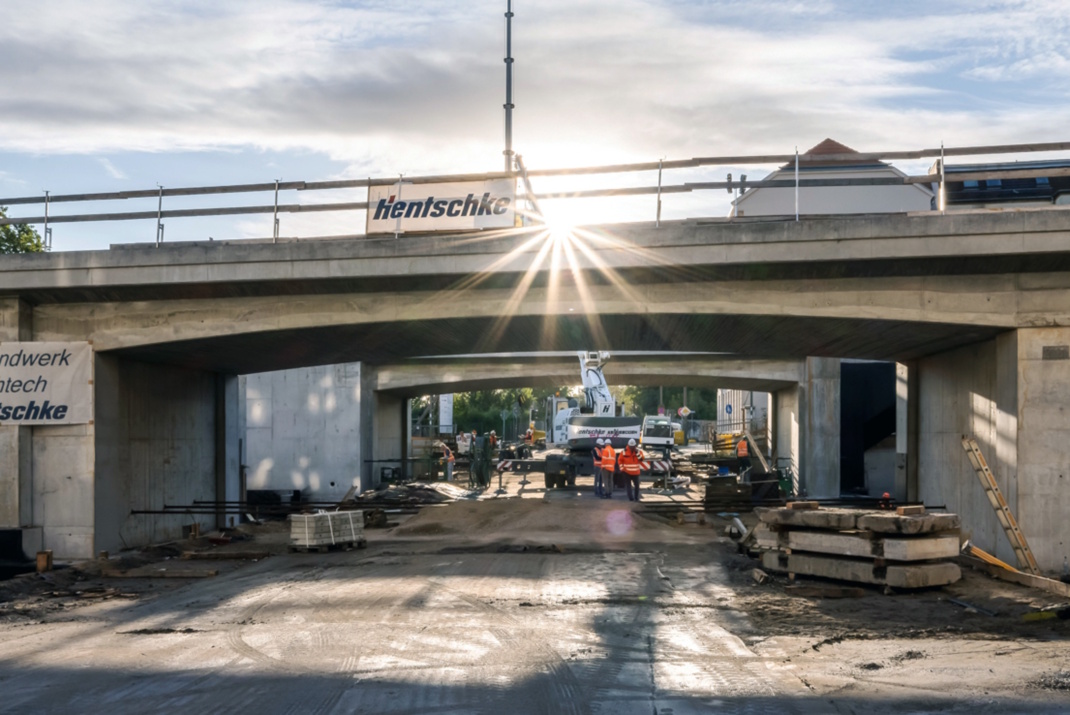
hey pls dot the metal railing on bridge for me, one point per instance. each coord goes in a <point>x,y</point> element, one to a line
<point>275,187</point>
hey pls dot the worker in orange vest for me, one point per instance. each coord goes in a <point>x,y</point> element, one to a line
<point>493,439</point>
<point>609,468</point>
<point>743,452</point>
<point>629,464</point>
<point>596,457</point>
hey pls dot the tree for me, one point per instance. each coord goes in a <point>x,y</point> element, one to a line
<point>19,237</point>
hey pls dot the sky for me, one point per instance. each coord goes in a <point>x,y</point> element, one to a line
<point>130,94</point>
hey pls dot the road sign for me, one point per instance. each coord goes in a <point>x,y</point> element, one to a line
<point>728,409</point>
<point>684,411</point>
<point>661,410</point>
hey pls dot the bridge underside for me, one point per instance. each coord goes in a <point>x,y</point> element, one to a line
<point>762,336</point>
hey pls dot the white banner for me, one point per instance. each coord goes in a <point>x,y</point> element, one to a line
<point>445,414</point>
<point>405,207</point>
<point>46,383</point>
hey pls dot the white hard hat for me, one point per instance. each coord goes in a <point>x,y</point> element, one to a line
<point>600,441</point>
<point>493,432</point>
<point>631,443</point>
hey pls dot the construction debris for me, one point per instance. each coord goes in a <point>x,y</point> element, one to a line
<point>225,555</point>
<point>855,545</point>
<point>971,607</point>
<point>690,517</point>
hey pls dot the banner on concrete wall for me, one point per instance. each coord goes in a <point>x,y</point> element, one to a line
<point>403,206</point>
<point>46,383</point>
<point>445,414</point>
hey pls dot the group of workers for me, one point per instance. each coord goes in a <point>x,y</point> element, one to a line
<point>464,444</point>
<point>608,463</point>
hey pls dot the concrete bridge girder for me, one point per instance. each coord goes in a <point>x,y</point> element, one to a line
<point>422,377</point>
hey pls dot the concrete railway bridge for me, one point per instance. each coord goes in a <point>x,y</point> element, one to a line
<point>975,308</point>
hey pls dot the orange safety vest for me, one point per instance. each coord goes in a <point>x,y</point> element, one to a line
<point>629,462</point>
<point>742,450</point>
<point>609,457</point>
<point>596,454</point>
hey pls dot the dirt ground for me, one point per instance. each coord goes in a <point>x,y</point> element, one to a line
<point>605,606</point>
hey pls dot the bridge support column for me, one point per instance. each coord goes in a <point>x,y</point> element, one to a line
<point>16,443</point>
<point>906,432</point>
<point>786,423</point>
<point>1011,394</point>
<point>819,408</point>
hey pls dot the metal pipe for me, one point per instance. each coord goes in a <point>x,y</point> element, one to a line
<point>508,86</point>
<point>657,219</point>
<point>796,183</point>
<point>943,195</point>
<point>275,218</point>
<point>159,218</point>
<point>47,231</point>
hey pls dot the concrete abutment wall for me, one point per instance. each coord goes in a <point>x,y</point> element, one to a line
<point>1016,403</point>
<point>159,441</point>
<point>303,430</point>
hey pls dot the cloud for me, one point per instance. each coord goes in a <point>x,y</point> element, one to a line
<point>418,87</point>
<point>6,178</point>
<point>113,171</point>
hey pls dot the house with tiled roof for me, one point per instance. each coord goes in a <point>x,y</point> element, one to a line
<point>832,160</point>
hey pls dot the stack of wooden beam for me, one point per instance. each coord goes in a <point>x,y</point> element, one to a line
<point>906,548</point>
<point>326,529</point>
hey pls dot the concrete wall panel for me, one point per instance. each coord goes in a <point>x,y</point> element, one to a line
<point>958,395</point>
<point>303,430</point>
<point>155,446</point>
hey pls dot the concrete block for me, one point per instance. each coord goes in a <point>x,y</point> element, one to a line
<point>922,524</point>
<point>69,542</point>
<point>832,519</point>
<point>863,545</point>
<point>923,575</point>
<point>911,576</point>
<point>945,546</point>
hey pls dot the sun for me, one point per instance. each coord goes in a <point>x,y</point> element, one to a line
<point>561,219</point>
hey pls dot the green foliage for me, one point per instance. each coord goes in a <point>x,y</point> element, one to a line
<point>19,237</point>
<point>481,411</point>
<point>644,401</point>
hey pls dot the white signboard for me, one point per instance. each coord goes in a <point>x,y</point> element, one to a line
<point>405,206</point>
<point>46,383</point>
<point>445,413</point>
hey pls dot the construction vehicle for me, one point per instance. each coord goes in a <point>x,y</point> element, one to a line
<point>573,430</point>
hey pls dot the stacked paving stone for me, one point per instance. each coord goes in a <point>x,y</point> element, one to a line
<point>909,550</point>
<point>336,528</point>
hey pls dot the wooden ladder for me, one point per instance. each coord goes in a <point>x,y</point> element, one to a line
<point>1022,552</point>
